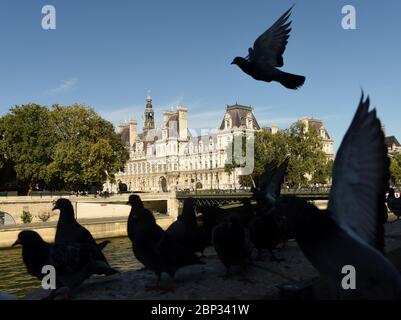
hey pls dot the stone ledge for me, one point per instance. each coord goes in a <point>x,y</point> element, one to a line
<point>205,282</point>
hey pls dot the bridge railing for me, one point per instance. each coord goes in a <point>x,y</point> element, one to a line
<point>308,190</point>
<point>212,192</point>
<point>228,192</point>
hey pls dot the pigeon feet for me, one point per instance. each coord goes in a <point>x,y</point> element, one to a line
<point>169,289</point>
<point>153,288</point>
<point>62,293</point>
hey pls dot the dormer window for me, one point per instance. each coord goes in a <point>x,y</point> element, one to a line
<point>249,122</point>
<point>227,122</point>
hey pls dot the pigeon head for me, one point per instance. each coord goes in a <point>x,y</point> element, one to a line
<point>63,205</point>
<point>66,209</point>
<point>135,201</point>
<point>28,237</point>
<point>239,61</point>
<point>391,191</point>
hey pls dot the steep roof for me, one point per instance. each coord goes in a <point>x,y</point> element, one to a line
<point>392,140</point>
<point>238,114</point>
<point>317,125</point>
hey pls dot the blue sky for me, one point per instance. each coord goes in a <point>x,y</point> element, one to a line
<point>107,54</point>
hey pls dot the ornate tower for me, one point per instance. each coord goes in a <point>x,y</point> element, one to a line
<point>149,115</point>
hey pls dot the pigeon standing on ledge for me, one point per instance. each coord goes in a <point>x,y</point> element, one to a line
<point>266,228</point>
<point>267,55</point>
<point>349,232</point>
<point>152,246</point>
<point>186,230</point>
<point>69,231</point>
<point>232,243</point>
<point>73,263</point>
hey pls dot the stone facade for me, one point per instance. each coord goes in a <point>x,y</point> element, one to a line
<point>323,133</point>
<point>393,146</point>
<point>173,157</point>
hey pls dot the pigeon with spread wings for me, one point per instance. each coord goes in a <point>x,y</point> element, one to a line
<point>266,56</point>
<point>350,231</point>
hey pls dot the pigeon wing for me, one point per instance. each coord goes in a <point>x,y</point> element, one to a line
<point>273,188</point>
<point>360,177</point>
<point>270,46</point>
<point>266,176</point>
<point>177,230</point>
<point>68,259</point>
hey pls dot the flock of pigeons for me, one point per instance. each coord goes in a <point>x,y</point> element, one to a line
<point>349,232</point>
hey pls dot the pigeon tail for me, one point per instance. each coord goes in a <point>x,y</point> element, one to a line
<point>103,244</point>
<point>290,81</point>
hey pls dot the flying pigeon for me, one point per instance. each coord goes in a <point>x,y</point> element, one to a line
<point>349,232</point>
<point>69,231</point>
<point>73,263</point>
<point>152,246</point>
<point>267,55</point>
<point>393,203</point>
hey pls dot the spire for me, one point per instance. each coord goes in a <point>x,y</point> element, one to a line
<point>149,114</point>
<point>149,100</point>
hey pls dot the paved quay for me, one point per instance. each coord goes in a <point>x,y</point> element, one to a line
<point>203,282</point>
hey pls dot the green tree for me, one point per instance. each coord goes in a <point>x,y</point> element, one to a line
<point>395,169</point>
<point>308,163</point>
<point>28,142</point>
<point>88,151</point>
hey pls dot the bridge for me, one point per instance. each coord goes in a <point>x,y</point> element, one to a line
<point>224,197</point>
<point>89,207</point>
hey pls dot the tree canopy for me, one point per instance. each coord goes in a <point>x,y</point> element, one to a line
<point>395,169</point>
<point>308,163</point>
<point>65,147</point>
<point>28,140</point>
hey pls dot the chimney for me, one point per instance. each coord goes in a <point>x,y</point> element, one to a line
<point>274,128</point>
<point>132,132</point>
<point>121,127</point>
<point>182,123</point>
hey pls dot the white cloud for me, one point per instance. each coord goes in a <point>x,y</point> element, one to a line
<point>63,87</point>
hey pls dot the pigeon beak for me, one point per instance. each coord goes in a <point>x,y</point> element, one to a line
<point>17,242</point>
<point>55,207</point>
<point>232,62</point>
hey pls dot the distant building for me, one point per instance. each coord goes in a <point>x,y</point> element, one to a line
<point>326,139</point>
<point>393,146</point>
<point>171,157</point>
